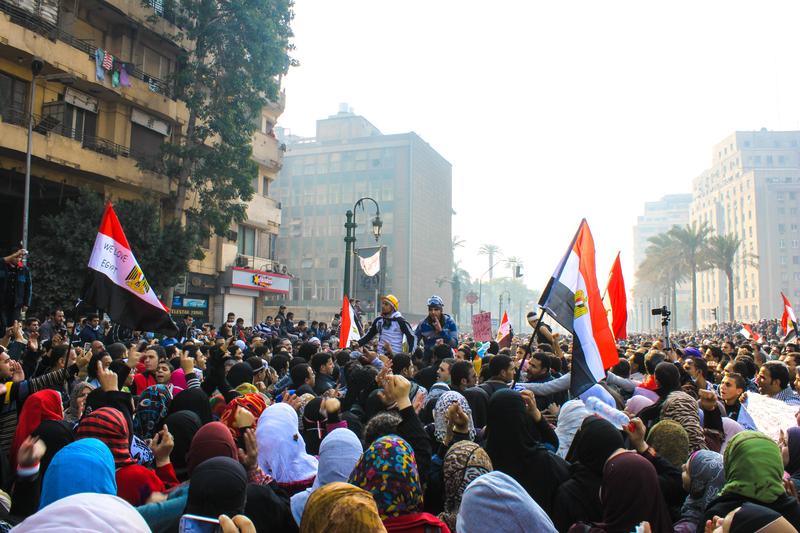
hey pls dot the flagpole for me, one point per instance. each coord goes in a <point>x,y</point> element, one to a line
<point>530,344</point>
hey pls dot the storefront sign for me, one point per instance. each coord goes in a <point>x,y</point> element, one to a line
<point>194,306</point>
<point>245,278</point>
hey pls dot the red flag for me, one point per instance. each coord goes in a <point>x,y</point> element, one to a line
<point>748,333</point>
<point>617,301</point>
<point>573,299</point>
<point>504,332</point>
<point>348,330</point>
<point>788,320</point>
<point>116,284</point>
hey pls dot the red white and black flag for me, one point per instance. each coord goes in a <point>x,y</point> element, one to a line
<point>116,284</point>
<point>572,298</point>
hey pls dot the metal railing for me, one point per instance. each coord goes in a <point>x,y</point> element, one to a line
<point>29,20</point>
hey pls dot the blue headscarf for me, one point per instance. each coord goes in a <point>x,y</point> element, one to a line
<point>86,465</point>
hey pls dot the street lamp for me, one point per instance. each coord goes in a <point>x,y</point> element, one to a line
<point>350,237</point>
<point>500,304</point>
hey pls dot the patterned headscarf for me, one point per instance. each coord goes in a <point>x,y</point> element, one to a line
<point>341,508</point>
<point>254,403</point>
<point>440,414</point>
<point>464,462</point>
<point>388,470</point>
<point>706,471</point>
<point>153,408</point>
<point>108,425</point>
<point>683,409</point>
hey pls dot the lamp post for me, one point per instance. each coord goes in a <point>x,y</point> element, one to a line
<point>500,304</point>
<point>36,67</point>
<point>350,237</point>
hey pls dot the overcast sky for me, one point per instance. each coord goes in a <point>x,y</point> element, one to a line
<point>552,111</point>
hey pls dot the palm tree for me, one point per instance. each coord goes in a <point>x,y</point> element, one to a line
<point>491,250</point>
<point>722,251</point>
<point>663,269</point>
<point>691,243</point>
<point>459,281</point>
<point>458,242</point>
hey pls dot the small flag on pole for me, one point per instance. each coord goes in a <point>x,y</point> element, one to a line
<point>748,333</point>
<point>789,319</point>
<point>349,326</point>
<point>116,284</point>
<point>573,299</point>
<point>505,332</point>
<point>617,301</point>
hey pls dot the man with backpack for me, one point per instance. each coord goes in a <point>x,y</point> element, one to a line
<point>390,327</point>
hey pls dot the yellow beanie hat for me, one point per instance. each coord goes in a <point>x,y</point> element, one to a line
<point>392,299</point>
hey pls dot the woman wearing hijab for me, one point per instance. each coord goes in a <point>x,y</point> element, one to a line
<point>464,462</point>
<point>243,412</point>
<point>730,428</point>
<point>683,409</point>
<point>671,441</point>
<point>751,517</point>
<point>630,494</point>
<point>789,444</point>
<point>636,403</point>
<point>152,409</point>
<point>570,418</point>
<point>218,486</point>
<point>38,407</point>
<point>703,478</point>
<point>282,450</point>
<point>320,416</point>
<point>211,440</point>
<point>516,433</point>
<point>135,483</point>
<point>90,513</point>
<point>478,402</point>
<point>77,401</point>
<point>55,434</point>
<point>496,502</point>
<point>338,454</point>
<point>443,427</point>
<point>388,470</point>
<point>341,508</point>
<point>194,400</point>
<point>753,473</point>
<point>183,426</point>
<point>92,459</point>
<point>667,378</point>
<point>578,498</point>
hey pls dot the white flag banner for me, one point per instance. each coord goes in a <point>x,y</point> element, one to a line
<point>371,265</point>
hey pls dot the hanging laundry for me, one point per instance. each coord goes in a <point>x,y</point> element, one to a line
<point>153,86</point>
<point>98,60</point>
<point>108,61</point>
<point>124,70</point>
<point>115,78</point>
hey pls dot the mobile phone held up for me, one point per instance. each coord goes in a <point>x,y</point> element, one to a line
<point>198,524</point>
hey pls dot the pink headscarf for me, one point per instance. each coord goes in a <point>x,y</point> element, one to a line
<point>637,403</point>
<point>178,379</point>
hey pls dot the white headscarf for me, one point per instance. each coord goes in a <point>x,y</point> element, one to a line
<point>339,452</point>
<point>89,512</point>
<point>570,418</point>
<point>440,414</point>
<point>281,448</point>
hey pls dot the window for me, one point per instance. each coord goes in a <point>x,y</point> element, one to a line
<point>796,260</point>
<point>68,120</point>
<point>797,276</point>
<point>264,186</point>
<point>246,240</point>
<point>782,260</point>
<point>784,276</point>
<point>793,227</point>
<point>145,143</point>
<point>781,244</point>
<point>781,228</point>
<point>780,196</point>
<point>795,243</point>
<point>13,97</point>
<point>307,262</point>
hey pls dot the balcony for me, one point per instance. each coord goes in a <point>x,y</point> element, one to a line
<point>264,212</point>
<point>267,151</point>
<point>255,263</point>
<point>39,25</point>
<point>56,144</point>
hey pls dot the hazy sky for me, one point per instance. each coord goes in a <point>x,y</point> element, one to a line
<point>552,111</point>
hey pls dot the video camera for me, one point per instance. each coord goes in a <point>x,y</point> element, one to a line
<point>662,311</point>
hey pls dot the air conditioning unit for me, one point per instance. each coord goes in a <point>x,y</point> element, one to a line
<point>276,267</point>
<point>242,261</point>
<point>284,269</point>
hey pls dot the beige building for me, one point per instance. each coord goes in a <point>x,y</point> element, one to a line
<point>753,191</point>
<point>93,126</point>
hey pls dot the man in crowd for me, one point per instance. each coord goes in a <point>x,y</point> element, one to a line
<point>773,381</point>
<point>322,364</point>
<point>390,327</point>
<point>92,330</point>
<point>437,327</point>
<point>303,379</point>
<point>462,376</point>
<point>53,325</point>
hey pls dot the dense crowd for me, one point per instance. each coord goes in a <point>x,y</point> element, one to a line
<point>411,428</point>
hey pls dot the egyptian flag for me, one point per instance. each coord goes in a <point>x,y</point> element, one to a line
<point>748,333</point>
<point>572,298</point>
<point>616,301</point>
<point>349,327</point>
<point>788,320</point>
<point>116,284</point>
<point>504,333</point>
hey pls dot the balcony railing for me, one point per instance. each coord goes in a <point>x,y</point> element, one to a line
<point>30,21</point>
<point>50,124</point>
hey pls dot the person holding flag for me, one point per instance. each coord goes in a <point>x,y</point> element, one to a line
<point>390,327</point>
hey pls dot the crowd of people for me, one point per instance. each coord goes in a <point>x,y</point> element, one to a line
<point>271,427</point>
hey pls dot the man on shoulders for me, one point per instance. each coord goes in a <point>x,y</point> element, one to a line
<point>390,327</point>
<point>436,327</point>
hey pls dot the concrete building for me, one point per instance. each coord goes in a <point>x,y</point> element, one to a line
<point>324,176</point>
<point>752,190</point>
<point>91,128</point>
<point>659,217</point>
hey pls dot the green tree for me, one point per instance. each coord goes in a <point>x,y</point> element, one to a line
<point>663,269</point>
<point>59,265</point>
<point>722,253</point>
<point>238,50</point>
<point>691,243</point>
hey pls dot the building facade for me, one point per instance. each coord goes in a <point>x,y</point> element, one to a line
<point>103,105</point>
<point>324,176</point>
<point>659,217</point>
<point>752,190</point>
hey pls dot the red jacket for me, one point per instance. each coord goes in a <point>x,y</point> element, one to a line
<point>135,483</point>
<point>415,523</point>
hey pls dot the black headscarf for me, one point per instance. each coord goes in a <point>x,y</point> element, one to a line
<point>55,434</point>
<point>314,428</point>
<point>218,486</point>
<point>594,443</point>
<point>122,370</point>
<point>194,400</point>
<point>478,401</point>
<point>268,511</point>
<point>240,373</point>
<point>752,517</point>
<point>183,425</point>
<point>514,448</point>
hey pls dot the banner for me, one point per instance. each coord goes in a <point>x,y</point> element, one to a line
<point>371,265</point>
<point>482,327</point>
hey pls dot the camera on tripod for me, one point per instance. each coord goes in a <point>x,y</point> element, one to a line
<point>662,311</point>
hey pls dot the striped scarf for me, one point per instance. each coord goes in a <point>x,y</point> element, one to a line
<point>108,425</point>
<point>683,409</point>
<point>254,403</point>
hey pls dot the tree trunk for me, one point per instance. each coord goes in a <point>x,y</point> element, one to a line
<point>675,303</point>
<point>694,297</point>
<point>730,293</point>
